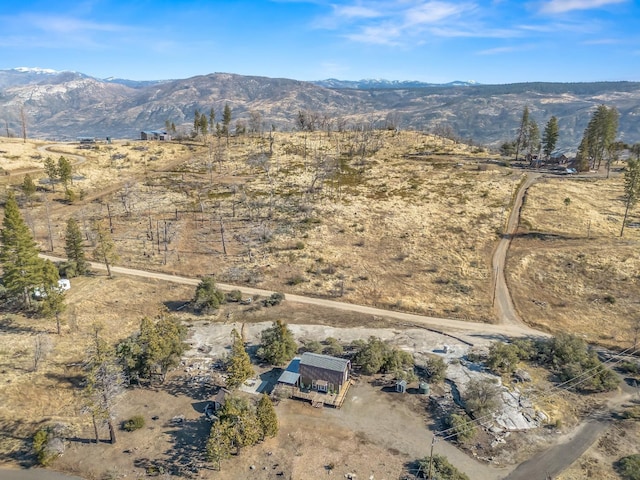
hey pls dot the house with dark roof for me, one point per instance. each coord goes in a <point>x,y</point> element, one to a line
<point>322,379</point>
<point>323,373</point>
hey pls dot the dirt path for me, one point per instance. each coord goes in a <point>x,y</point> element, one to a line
<point>34,474</point>
<point>409,319</point>
<point>502,302</point>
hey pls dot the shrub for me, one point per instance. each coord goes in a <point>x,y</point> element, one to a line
<point>632,413</point>
<point>481,397</point>
<point>503,357</point>
<point>207,296</point>
<point>569,356</point>
<point>47,445</point>
<point>333,347</point>
<point>295,280</point>
<point>376,356</point>
<point>441,468</point>
<point>436,369</point>
<point>312,346</point>
<point>463,427</point>
<point>629,467</point>
<point>134,423</point>
<point>273,300</point>
<point>629,367</point>
<point>233,296</point>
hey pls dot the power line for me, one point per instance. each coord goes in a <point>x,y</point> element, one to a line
<point>553,390</point>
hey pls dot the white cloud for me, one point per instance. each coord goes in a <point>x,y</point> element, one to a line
<point>563,6</point>
<point>62,24</point>
<point>434,12</point>
<point>497,50</point>
<point>356,11</point>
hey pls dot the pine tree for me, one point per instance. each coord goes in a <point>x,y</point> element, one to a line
<point>226,120</point>
<point>522,139</point>
<point>631,188</point>
<point>104,382</point>
<point>278,345</point>
<point>161,344</point>
<point>245,430</point>
<point>267,417</point>
<point>65,171</point>
<point>52,296</point>
<point>22,268</point>
<point>550,137</point>
<point>219,443</point>
<point>533,138</point>
<point>51,169</point>
<point>600,133</point>
<point>105,250</point>
<point>74,247</point>
<point>28,188</point>
<point>239,367</point>
<point>196,123</point>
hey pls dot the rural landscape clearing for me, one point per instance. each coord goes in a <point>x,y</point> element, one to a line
<point>437,248</point>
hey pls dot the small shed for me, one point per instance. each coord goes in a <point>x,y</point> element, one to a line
<point>220,398</point>
<point>291,376</point>
<point>401,386</point>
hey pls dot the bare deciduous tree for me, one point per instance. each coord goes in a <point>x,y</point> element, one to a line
<point>42,347</point>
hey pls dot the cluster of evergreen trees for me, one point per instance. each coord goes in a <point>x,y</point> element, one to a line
<point>204,124</point>
<point>240,425</point>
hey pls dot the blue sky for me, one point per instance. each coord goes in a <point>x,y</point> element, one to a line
<point>488,41</point>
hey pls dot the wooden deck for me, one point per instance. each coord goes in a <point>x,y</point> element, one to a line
<point>318,399</point>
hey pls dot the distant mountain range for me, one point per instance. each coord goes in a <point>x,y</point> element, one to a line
<point>66,105</point>
<point>371,84</point>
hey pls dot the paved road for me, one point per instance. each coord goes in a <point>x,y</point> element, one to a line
<point>551,462</point>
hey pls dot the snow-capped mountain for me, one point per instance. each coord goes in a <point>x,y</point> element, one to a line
<point>66,105</point>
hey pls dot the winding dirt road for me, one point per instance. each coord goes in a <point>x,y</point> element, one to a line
<point>502,302</point>
<point>410,318</point>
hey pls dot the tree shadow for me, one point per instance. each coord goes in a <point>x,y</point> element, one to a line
<point>17,435</point>
<point>177,305</point>
<point>413,469</point>
<point>73,381</point>
<point>539,236</point>
<point>200,387</point>
<point>187,455</point>
<point>8,325</point>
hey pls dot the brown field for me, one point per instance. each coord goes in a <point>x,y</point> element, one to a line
<point>569,270</point>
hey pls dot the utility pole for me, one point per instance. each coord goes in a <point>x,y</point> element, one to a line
<point>433,442</point>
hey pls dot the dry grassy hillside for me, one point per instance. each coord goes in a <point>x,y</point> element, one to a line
<point>402,220</point>
<point>569,270</point>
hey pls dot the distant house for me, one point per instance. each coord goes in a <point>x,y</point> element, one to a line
<point>86,140</point>
<point>159,135</point>
<point>559,158</point>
